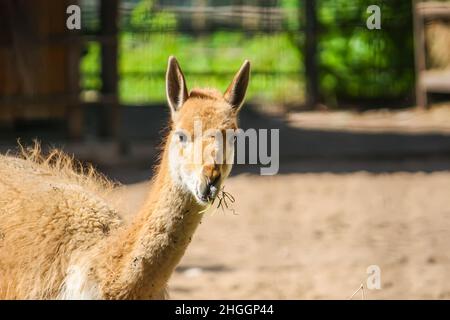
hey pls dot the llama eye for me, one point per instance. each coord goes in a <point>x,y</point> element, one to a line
<point>182,137</point>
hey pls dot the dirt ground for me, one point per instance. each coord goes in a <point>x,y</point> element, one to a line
<point>313,236</point>
<point>411,120</point>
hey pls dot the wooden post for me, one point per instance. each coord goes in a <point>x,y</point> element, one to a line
<point>311,70</point>
<point>74,109</point>
<point>109,66</point>
<point>419,48</point>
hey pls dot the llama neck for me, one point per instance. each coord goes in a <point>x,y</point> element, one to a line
<point>143,256</point>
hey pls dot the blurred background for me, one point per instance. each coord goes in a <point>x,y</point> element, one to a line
<point>363,117</point>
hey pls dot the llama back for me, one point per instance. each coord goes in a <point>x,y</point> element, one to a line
<point>48,212</point>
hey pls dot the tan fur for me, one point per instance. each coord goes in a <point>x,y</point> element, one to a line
<point>62,238</point>
<point>49,208</point>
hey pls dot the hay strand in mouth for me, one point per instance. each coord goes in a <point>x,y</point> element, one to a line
<point>226,201</point>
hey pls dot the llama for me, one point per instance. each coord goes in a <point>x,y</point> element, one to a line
<point>62,238</point>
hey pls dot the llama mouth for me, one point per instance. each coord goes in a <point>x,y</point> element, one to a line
<point>208,196</point>
<point>203,199</point>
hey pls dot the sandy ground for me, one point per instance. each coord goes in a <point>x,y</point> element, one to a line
<point>313,236</point>
<point>411,120</point>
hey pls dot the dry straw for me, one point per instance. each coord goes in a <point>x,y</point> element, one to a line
<point>226,201</point>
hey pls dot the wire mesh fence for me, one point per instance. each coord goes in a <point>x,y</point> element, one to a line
<point>212,37</point>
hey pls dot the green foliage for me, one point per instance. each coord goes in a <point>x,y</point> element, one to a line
<point>354,62</point>
<point>208,61</point>
<point>90,67</point>
<point>291,20</point>
<point>143,17</point>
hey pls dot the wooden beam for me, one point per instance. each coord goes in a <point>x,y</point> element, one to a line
<point>74,113</point>
<point>435,81</point>
<point>419,48</point>
<point>433,9</point>
<point>109,65</point>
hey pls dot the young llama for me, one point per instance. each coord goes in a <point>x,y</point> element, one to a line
<point>61,237</point>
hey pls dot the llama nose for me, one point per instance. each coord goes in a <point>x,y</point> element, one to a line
<point>212,188</point>
<point>214,182</point>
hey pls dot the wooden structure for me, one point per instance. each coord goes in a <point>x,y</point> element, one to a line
<point>109,16</point>
<point>40,61</point>
<point>35,61</point>
<point>437,81</point>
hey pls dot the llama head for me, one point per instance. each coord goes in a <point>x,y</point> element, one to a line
<point>201,141</point>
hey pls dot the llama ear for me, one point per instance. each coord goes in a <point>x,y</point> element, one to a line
<point>176,90</point>
<point>235,93</point>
